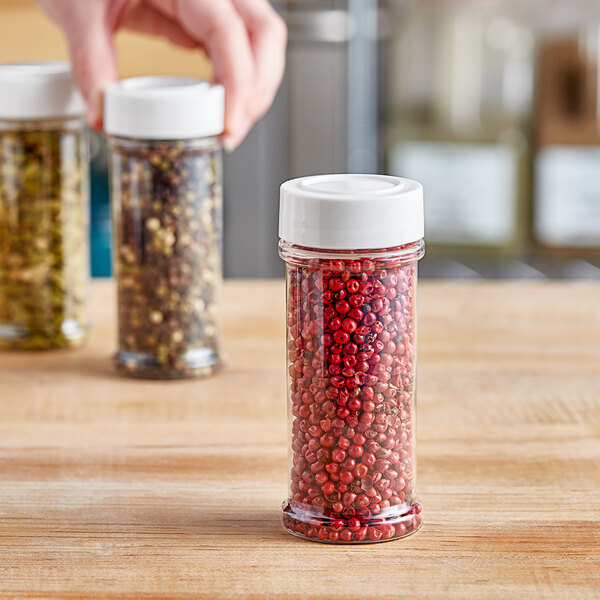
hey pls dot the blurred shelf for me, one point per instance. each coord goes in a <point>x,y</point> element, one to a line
<point>536,268</point>
<point>27,34</point>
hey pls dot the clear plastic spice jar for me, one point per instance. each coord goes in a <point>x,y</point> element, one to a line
<point>44,208</point>
<point>351,245</point>
<point>165,163</point>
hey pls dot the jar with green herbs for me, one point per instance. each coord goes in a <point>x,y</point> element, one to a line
<point>44,208</point>
<point>165,165</point>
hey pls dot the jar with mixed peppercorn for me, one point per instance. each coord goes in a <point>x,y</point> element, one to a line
<point>351,245</point>
<point>165,164</point>
<point>44,208</point>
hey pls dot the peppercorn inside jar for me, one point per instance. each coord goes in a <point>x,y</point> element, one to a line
<point>351,245</point>
<point>44,208</point>
<point>165,165</point>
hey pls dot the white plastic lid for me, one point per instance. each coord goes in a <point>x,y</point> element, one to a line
<point>39,90</point>
<point>351,212</point>
<point>164,108</point>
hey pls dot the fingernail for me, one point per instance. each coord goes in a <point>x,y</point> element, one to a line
<point>94,111</point>
<point>229,143</point>
<point>237,136</point>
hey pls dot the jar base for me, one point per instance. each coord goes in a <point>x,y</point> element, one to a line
<point>70,335</point>
<point>334,530</point>
<point>201,362</point>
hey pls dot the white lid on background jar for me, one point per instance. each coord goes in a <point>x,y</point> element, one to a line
<point>351,212</point>
<point>164,108</point>
<point>39,90</point>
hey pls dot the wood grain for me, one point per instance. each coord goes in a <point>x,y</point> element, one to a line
<point>111,488</point>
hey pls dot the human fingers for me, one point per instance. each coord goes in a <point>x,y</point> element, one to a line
<point>92,51</point>
<point>268,38</point>
<point>147,19</point>
<point>219,28</point>
<point>94,64</point>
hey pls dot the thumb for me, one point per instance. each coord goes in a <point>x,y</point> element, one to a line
<point>94,63</point>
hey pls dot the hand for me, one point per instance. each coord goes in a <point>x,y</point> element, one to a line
<point>245,40</point>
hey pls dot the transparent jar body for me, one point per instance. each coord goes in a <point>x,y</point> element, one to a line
<point>44,231</point>
<point>167,220</point>
<point>351,359</point>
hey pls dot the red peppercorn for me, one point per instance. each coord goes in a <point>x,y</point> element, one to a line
<point>359,439</point>
<point>346,476</point>
<point>369,459</point>
<point>335,323</point>
<point>321,477</point>
<point>335,284</point>
<point>374,534</point>
<point>342,307</point>
<point>352,286</point>
<point>338,455</point>
<point>357,312</point>
<point>356,451</point>
<point>348,498</point>
<point>369,319</point>
<point>350,360</point>
<point>349,324</point>
<point>338,524</point>
<point>361,470</point>
<point>362,500</point>
<point>341,337</point>
<point>348,464</point>
<point>338,381</point>
<point>350,348</point>
<point>366,287</point>
<point>327,440</point>
<point>328,487</point>
<point>354,404</point>
<point>356,300</point>
<point>332,468</point>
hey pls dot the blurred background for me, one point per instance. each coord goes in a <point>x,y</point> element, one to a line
<point>494,105</point>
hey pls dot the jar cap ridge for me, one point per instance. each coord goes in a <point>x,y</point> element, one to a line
<point>164,108</point>
<point>39,90</point>
<point>351,211</point>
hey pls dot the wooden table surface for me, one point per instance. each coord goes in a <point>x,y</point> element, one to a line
<point>114,488</point>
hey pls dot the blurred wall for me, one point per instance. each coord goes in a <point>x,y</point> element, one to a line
<point>27,34</point>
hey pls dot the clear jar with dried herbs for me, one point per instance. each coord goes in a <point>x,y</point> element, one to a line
<point>165,163</point>
<point>44,208</point>
<point>351,244</point>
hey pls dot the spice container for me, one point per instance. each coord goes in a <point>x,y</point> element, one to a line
<point>351,245</point>
<point>44,208</point>
<point>567,200</point>
<point>165,166</point>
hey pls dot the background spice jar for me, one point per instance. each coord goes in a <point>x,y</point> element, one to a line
<point>351,355</point>
<point>167,201</point>
<point>44,208</point>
